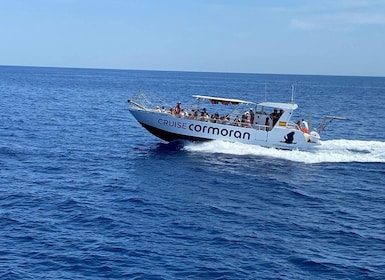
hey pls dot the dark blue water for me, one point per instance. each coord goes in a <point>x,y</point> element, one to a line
<point>86,193</point>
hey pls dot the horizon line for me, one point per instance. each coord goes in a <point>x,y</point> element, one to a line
<point>191,71</point>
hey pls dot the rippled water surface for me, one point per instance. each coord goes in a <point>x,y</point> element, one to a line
<point>86,193</point>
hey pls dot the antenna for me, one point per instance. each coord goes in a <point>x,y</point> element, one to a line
<point>265,91</point>
<point>292,93</point>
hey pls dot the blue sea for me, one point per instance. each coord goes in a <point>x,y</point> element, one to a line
<point>87,193</point>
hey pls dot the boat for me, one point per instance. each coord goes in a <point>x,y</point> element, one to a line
<point>266,124</point>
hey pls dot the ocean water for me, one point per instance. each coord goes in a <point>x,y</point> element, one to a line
<point>87,193</point>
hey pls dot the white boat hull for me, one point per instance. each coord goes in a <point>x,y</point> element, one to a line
<point>171,127</point>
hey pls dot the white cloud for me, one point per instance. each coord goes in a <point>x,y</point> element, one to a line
<point>337,21</point>
<point>338,15</point>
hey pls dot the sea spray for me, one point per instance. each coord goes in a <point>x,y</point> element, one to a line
<point>329,151</point>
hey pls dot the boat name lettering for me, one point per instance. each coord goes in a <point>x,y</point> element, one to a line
<point>216,131</point>
<point>172,123</point>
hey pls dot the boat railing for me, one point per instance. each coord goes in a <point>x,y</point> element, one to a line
<point>292,125</point>
<point>144,101</point>
<point>328,120</point>
<point>225,121</point>
<point>262,127</point>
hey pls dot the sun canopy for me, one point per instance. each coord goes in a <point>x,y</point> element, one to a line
<point>224,101</point>
<point>284,106</point>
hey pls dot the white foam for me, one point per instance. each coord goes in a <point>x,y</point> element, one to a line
<point>329,151</point>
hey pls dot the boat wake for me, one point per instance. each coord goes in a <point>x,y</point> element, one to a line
<point>329,151</point>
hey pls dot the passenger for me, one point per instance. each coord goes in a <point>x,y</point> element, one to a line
<point>223,120</point>
<point>274,116</point>
<point>251,117</point>
<point>245,120</point>
<point>215,118</point>
<point>267,124</point>
<point>280,113</point>
<point>237,121</point>
<point>184,113</point>
<point>304,126</point>
<point>205,113</point>
<point>204,117</point>
<point>178,108</point>
<point>192,114</point>
<point>163,109</point>
<point>244,117</point>
<point>157,108</point>
<point>298,125</point>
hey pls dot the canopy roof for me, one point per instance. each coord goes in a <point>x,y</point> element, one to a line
<point>285,106</point>
<point>224,101</point>
<point>227,101</point>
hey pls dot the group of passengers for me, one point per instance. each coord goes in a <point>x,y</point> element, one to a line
<point>246,120</point>
<point>159,109</point>
<point>194,114</point>
<point>275,115</point>
<point>215,118</point>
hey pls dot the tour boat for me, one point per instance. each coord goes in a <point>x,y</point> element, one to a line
<point>266,124</point>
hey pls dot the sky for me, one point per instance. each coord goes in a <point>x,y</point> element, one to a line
<point>320,37</point>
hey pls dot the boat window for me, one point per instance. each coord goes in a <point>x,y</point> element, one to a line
<point>259,109</point>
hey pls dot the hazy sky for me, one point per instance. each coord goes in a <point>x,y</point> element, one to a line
<point>337,37</point>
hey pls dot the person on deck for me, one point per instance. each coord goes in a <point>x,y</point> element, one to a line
<point>178,108</point>
<point>304,126</point>
<point>298,125</point>
<point>251,117</point>
<point>237,121</point>
<point>274,116</point>
<point>267,124</point>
